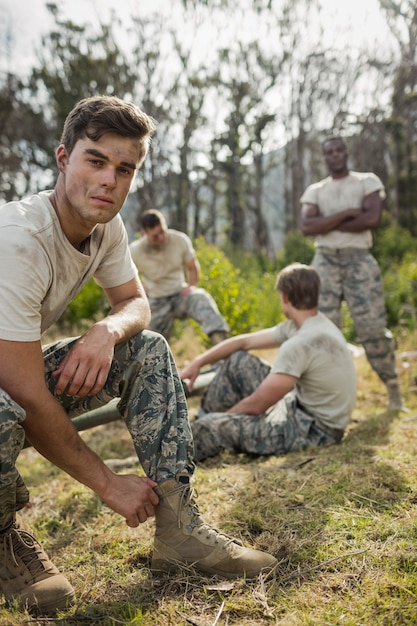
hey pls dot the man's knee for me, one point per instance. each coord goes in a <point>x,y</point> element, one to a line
<point>10,411</point>
<point>208,435</point>
<point>374,333</point>
<point>150,338</point>
<point>204,442</point>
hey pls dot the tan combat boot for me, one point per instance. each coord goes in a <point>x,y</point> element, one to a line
<point>27,575</point>
<point>182,537</point>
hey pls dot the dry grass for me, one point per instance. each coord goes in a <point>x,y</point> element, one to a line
<point>341,521</point>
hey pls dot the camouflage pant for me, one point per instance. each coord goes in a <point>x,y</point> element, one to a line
<point>152,403</point>
<point>197,305</point>
<point>354,276</point>
<point>284,428</point>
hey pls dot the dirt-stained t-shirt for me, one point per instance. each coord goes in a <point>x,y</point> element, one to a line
<point>318,356</point>
<point>162,269</point>
<point>332,195</point>
<point>41,272</point>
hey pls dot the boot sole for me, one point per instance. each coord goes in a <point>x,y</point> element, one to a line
<point>50,608</point>
<point>165,567</point>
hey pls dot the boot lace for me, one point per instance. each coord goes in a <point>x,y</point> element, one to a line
<point>22,547</point>
<point>189,504</point>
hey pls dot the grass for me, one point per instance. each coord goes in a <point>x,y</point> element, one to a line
<point>340,520</point>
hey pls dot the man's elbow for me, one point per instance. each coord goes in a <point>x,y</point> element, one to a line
<point>375,222</point>
<point>307,229</point>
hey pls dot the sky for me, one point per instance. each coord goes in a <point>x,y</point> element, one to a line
<point>27,20</point>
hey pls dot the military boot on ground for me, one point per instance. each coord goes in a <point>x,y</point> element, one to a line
<point>182,537</point>
<point>27,574</point>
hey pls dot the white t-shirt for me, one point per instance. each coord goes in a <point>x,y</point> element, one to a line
<point>162,269</point>
<point>41,272</point>
<point>317,355</point>
<point>332,195</point>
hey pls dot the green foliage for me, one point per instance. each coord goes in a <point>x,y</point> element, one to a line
<point>391,244</point>
<point>244,288</point>
<point>228,287</point>
<point>249,262</point>
<point>296,248</point>
<point>247,300</point>
<point>400,285</point>
<point>89,305</point>
<point>347,325</point>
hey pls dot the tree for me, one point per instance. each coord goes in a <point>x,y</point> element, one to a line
<point>244,77</point>
<point>74,63</point>
<point>402,124</point>
<point>22,144</point>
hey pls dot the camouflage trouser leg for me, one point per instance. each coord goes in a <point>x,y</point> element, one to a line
<point>286,428</point>
<point>202,308</point>
<point>13,492</point>
<point>236,378</point>
<point>331,285</point>
<point>163,314</point>
<point>152,402</point>
<point>198,305</point>
<point>357,279</point>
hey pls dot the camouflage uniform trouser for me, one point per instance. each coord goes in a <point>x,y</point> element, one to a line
<point>152,404</point>
<point>353,275</point>
<point>197,305</point>
<point>285,428</point>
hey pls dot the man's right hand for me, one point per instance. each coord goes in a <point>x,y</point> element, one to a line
<point>133,497</point>
<point>190,373</point>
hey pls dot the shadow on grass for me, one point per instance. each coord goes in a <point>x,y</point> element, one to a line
<point>299,507</point>
<point>177,599</point>
<point>290,506</point>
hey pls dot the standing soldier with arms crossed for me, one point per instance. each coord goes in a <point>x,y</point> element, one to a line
<point>340,211</point>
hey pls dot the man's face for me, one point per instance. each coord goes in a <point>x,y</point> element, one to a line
<point>336,156</point>
<point>97,177</point>
<point>157,236</point>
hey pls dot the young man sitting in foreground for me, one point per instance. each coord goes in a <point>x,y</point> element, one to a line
<point>51,244</point>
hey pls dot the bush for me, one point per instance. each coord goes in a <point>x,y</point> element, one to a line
<point>391,245</point>
<point>89,305</point>
<point>296,249</point>
<point>247,298</point>
<point>400,286</point>
<point>231,291</point>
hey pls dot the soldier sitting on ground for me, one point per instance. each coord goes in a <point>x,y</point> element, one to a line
<point>305,398</point>
<point>170,271</point>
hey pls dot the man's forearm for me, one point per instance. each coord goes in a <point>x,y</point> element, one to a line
<point>221,351</point>
<point>321,224</point>
<point>192,277</point>
<point>126,320</point>
<point>363,221</point>
<point>247,406</point>
<point>255,404</point>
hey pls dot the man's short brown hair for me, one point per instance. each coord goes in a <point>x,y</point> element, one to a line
<point>95,116</point>
<point>300,284</point>
<point>152,218</point>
